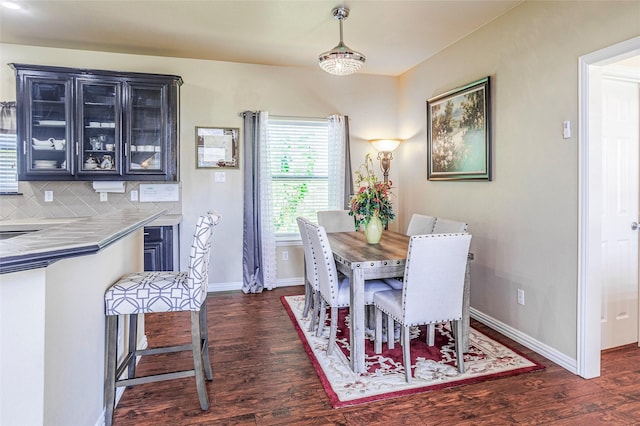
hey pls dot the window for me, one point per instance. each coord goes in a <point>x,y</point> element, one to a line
<point>299,151</point>
<point>8,163</point>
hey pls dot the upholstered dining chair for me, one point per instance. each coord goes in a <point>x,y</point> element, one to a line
<point>333,290</point>
<point>336,220</point>
<point>432,292</point>
<point>148,292</point>
<point>310,275</point>
<point>448,226</point>
<point>420,224</point>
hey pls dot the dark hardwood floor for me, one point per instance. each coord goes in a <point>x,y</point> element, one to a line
<point>262,376</point>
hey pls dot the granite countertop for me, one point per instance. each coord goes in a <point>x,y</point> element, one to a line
<point>60,238</point>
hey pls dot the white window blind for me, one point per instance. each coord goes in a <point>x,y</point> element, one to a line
<point>300,172</point>
<point>8,163</point>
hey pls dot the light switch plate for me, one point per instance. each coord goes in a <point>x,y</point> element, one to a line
<point>48,196</point>
<point>221,177</point>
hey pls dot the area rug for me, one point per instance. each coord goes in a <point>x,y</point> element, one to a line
<point>433,367</point>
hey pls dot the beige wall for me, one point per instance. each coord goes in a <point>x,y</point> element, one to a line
<point>524,223</point>
<point>213,94</point>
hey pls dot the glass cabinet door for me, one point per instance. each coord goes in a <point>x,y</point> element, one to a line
<point>146,132</point>
<point>47,145</point>
<point>99,127</point>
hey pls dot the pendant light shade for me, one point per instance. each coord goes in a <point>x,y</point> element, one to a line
<point>341,60</point>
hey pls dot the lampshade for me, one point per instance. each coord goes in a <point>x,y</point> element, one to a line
<point>341,60</point>
<point>385,145</point>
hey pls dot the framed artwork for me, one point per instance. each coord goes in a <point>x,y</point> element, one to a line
<point>458,133</point>
<point>217,147</point>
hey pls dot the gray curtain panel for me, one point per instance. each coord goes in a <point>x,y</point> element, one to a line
<point>252,275</point>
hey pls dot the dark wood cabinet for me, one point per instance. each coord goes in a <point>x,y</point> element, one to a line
<point>158,248</point>
<point>76,124</point>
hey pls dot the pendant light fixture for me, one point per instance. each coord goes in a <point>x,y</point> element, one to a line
<point>341,60</point>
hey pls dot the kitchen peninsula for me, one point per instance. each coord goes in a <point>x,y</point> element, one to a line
<point>52,285</point>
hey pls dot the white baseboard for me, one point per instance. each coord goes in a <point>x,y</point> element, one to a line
<point>237,285</point>
<point>546,351</point>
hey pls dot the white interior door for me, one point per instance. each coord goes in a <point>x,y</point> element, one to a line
<point>620,160</point>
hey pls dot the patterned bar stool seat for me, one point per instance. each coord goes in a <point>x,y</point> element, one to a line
<point>147,292</point>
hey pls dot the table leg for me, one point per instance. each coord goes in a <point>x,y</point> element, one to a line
<point>357,318</point>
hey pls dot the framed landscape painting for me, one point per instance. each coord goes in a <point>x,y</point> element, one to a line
<point>458,124</point>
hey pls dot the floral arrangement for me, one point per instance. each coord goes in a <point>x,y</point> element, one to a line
<point>372,197</point>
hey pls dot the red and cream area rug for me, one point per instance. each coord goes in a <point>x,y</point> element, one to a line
<point>433,367</point>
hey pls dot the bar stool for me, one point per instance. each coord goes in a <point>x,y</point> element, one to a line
<point>147,292</point>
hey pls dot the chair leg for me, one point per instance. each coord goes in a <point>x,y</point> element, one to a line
<point>204,335</point>
<point>378,335</point>
<point>406,352</point>
<point>110,368</point>
<point>133,344</point>
<point>431,334</point>
<point>321,316</point>
<point>391,333</point>
<point>314,310</point>
<point>457,326</point>
<point>196,342</point>
<point>333,330</point>
<point>307,294</point>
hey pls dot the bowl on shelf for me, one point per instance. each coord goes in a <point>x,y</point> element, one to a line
<point>42,142</point>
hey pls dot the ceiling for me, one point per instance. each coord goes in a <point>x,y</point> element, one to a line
<point>394,35</point>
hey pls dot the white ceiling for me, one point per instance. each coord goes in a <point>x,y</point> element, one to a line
<point>394,35</point>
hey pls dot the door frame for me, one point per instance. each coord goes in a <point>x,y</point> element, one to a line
<point>589,223</point>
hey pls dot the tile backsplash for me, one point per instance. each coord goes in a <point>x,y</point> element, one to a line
<point>73,199</point>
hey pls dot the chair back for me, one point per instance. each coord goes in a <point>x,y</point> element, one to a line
<point>446,226</point>
<point>324,263</point>
<point>311,272</point>
<point>336,220</point>
<point>420,224</point>
<point>434,278</point>
<point>198,273</point>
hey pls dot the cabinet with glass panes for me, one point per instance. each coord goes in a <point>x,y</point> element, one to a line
<point>77,124</point>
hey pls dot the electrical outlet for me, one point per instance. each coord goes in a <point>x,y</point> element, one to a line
<point>285,255</point>
<point>520,297</point>
<point>48,196</point>
<point>134,195</point>
<point>104,196</point>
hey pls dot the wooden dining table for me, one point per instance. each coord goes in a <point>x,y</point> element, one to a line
<point>362,261</point>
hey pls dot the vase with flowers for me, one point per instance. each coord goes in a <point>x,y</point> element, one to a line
<point>371,204</point>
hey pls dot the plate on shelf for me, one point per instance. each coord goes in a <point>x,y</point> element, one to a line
<point>52,123</point>
<point>43,148</point>
<point>35,166</point>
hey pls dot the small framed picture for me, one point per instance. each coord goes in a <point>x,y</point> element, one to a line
<point>217,147</point>
<point>458,133</point>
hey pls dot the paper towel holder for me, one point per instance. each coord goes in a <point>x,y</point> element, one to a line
<point>109,186</point>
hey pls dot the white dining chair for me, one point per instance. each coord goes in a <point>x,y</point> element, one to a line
<point>448,226</point>
<point>336,220</point>
<point>333,290</point>
<point>420,224</point>
<point>432,292</point>
<point>310,276</point>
